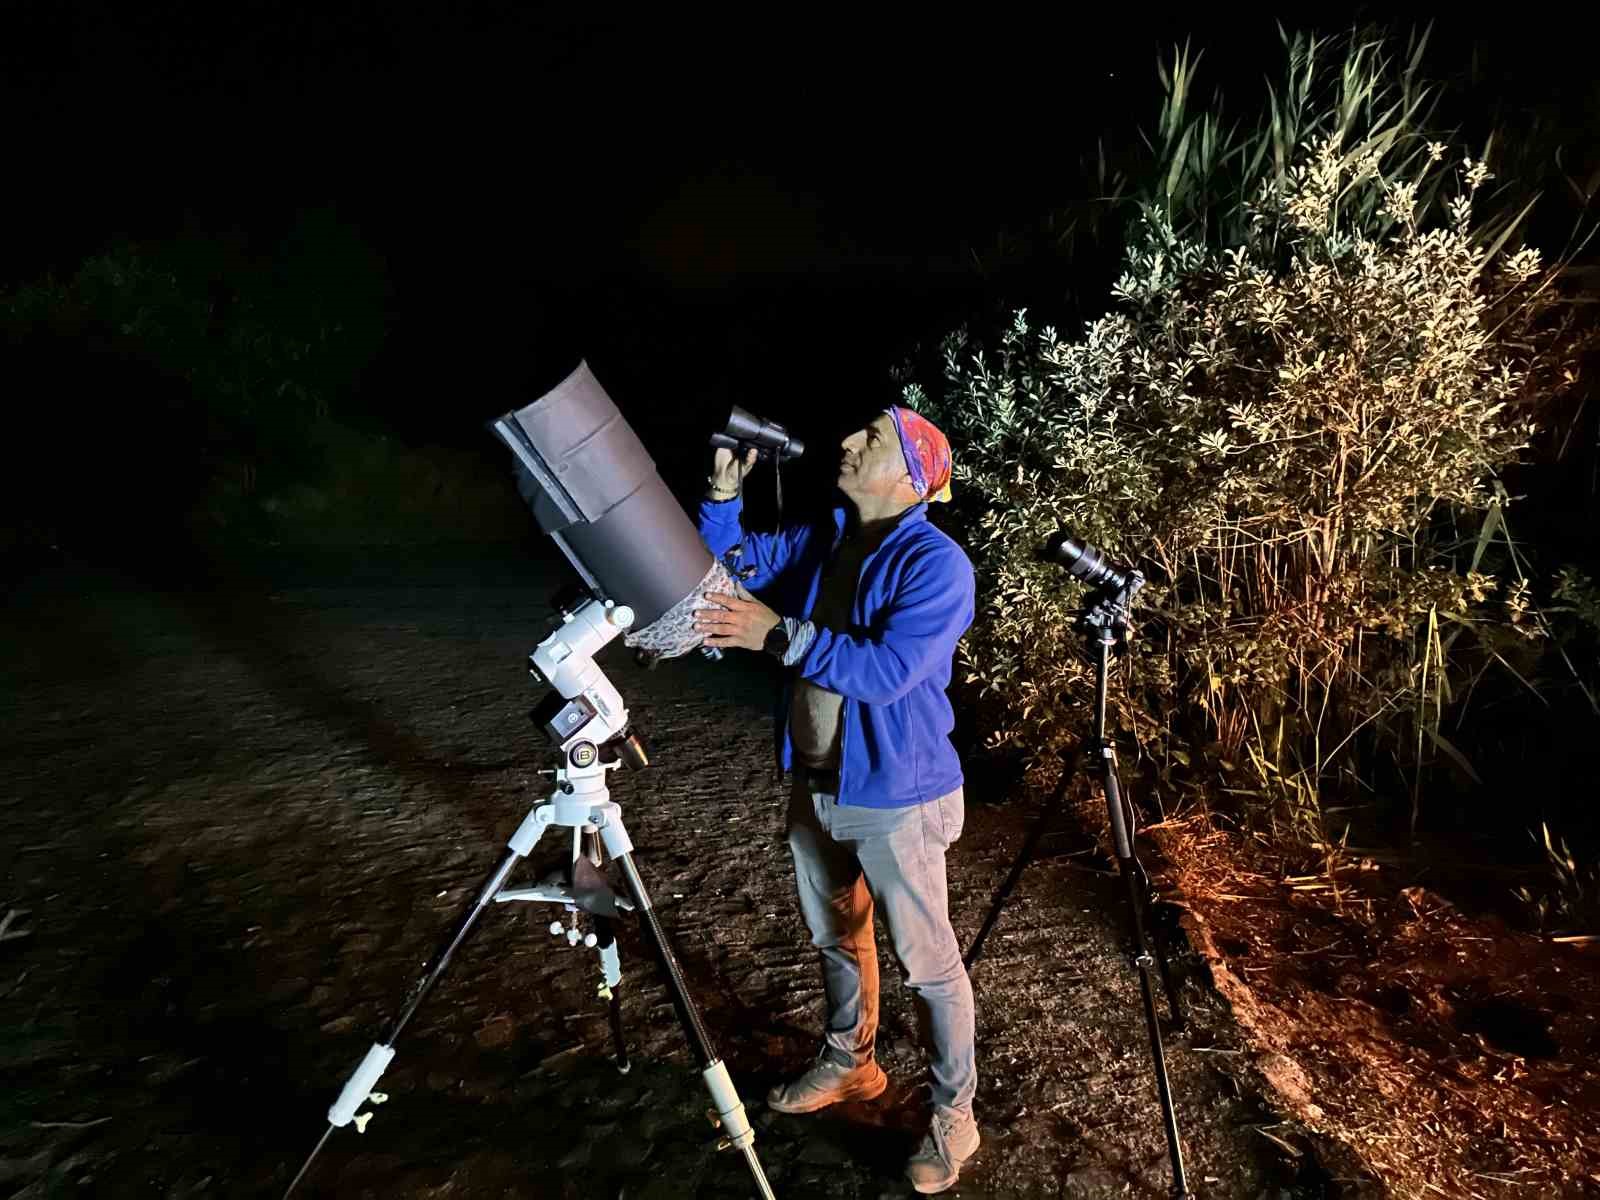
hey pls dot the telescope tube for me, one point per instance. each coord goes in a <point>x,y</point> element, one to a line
<point>595,490</point>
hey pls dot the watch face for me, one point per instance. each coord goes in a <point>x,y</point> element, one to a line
<point>778,639</point>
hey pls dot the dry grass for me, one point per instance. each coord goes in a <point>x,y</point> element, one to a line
<point>1454,1055</point>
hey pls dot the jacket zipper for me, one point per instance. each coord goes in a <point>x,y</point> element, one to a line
<point>855,612</point>
<point>855,605</point>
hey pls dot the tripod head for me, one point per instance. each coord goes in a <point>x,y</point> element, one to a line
<point>584,715</point>
<point>1104,616</point>
<point>1111,588</point>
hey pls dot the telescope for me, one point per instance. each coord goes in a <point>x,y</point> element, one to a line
<point>594,489</point>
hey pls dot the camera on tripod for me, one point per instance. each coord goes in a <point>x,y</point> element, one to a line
<point>1085,563</point>
<point>745,431</point>
<point>1111,588</point>
<point>1104,621</point>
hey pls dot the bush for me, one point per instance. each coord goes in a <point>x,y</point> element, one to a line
<point>175,383</point>
<point>1285,432</point>
<point>200,395</point>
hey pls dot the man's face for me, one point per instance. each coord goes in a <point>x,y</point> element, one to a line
<point>871,462</point>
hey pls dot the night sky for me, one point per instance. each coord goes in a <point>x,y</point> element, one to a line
<point>762,209</point>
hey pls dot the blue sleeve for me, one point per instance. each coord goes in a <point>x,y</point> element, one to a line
<point>721,529</point>
<point>914,637</point>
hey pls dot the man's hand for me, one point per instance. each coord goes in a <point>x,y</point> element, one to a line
<point>728,472</point>
<point>741,621</point>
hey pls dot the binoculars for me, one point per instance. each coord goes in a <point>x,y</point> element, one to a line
<point>746,431</point>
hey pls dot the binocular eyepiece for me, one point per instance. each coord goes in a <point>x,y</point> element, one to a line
<point>746,431</point>
<point>1083,562</point>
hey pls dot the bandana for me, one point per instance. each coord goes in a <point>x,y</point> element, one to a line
<point>927,453</point>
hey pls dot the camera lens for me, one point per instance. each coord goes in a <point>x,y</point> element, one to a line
<point>1083,561</point>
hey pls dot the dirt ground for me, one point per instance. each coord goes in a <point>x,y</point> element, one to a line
<point>1457,1055</point>
<point>240,812</point>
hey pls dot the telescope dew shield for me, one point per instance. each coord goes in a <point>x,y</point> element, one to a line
<point>595,490</point>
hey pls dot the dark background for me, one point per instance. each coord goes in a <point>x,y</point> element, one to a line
<point>768,210</point>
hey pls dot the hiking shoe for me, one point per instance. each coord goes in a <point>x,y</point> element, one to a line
<point>951,1139</point>
<point>825,1083</point>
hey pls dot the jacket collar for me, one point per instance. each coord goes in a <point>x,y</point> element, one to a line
<point>914,515</point>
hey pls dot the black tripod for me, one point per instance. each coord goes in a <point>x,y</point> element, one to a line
<point>1104,621</point>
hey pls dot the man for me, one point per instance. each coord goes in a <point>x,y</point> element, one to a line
<point>870,608</point>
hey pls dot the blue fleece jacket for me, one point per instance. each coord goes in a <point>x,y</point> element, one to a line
<point>914,600</point>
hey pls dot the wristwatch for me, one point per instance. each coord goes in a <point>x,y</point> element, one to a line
<point>777,643</point>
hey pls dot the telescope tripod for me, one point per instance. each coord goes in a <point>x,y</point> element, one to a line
<point>580,802</point>
<point>1104,621</point>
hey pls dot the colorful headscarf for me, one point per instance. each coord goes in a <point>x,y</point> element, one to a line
<point>927,453</point>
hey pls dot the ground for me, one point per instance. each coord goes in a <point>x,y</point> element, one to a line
<point>241,810</point>
<point>1455,1053</point>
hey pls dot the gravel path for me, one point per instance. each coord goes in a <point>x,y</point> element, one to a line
<point>242,812</point>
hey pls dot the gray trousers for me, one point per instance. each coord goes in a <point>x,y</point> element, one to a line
<point>849,862</point>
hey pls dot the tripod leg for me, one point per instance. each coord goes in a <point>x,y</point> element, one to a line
<point>1047,819</point>
<point>358,1088</point>
<point>1142,879</point>
<point>1131,872</point>
<point>441,959</point>
<point>729,1108</point>
<point>610,960</point>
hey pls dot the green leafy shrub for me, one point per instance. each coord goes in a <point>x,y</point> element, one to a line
<point>1280,431</point>
<point>154,364</point>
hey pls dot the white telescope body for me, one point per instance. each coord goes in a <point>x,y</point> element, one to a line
<point>566,657</point>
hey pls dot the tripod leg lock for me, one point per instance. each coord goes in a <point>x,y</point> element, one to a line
<point>359,1086</point>
<point>615,836</point>
<point>610,968</point>
<point>729,1108</point>
<point>533,825</point>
